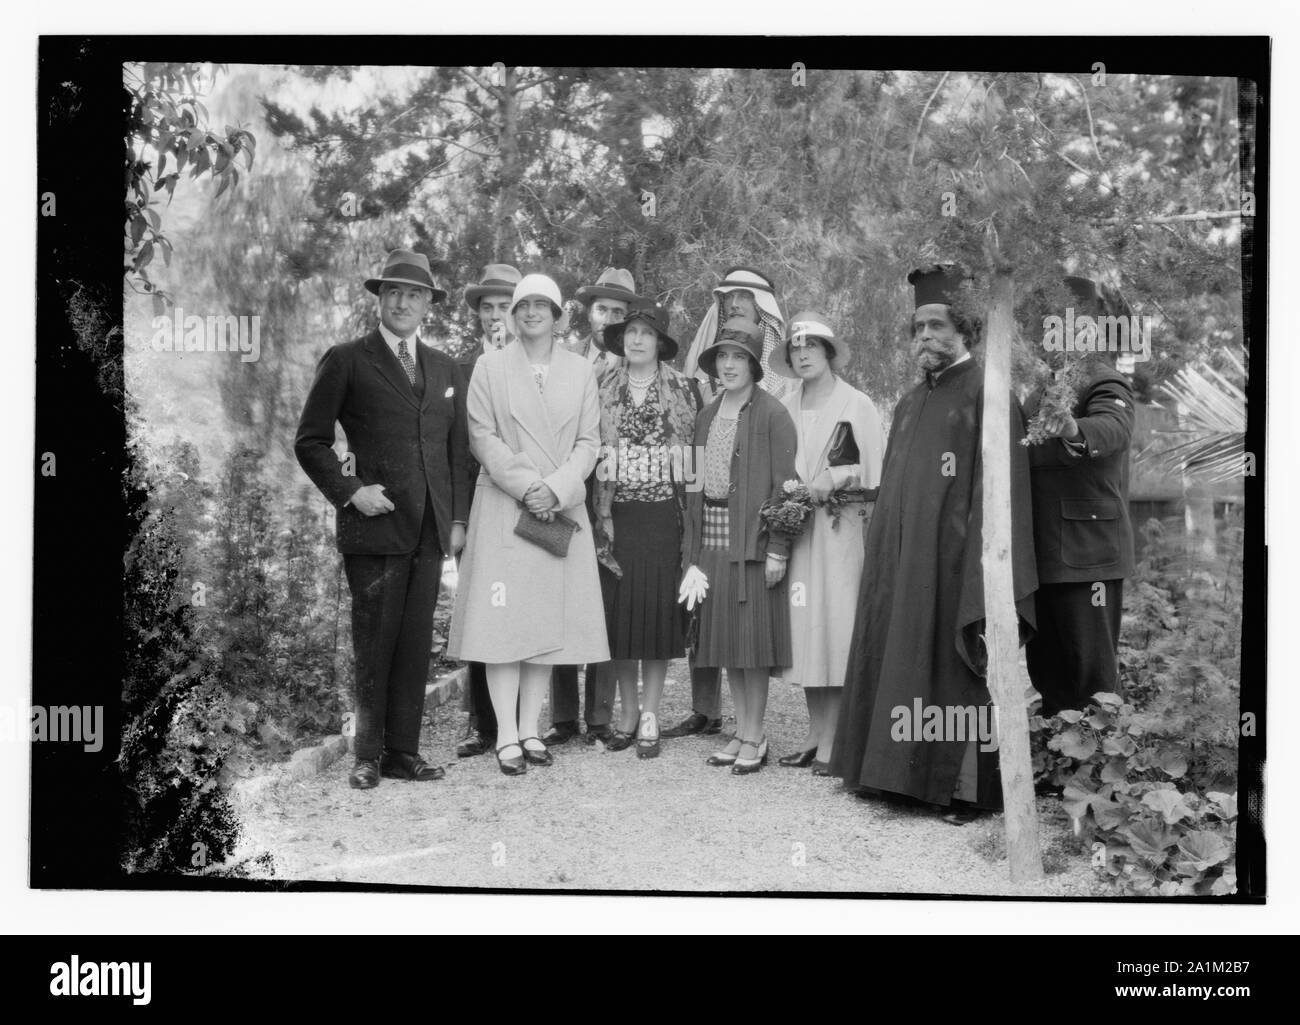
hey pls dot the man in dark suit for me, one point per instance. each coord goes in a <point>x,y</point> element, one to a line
<point>1083,540</point>
<point>402,499</point>
<point>490,301</point>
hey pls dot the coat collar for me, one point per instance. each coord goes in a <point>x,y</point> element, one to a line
<point>542,415</point>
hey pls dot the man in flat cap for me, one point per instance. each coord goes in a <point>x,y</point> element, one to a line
<point>916,636</point>
<point>607,302</point>
<point>489,299</point>
<point>1083,538</point>
<point>403,500</point>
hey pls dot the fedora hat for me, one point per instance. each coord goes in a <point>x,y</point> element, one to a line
<point>741,332</point>
<point>809,325</point>
<point>538,285</point>
<point>497,279</point>
<point>654,315</point>
<point>613,283</point>
<point>405,267</point>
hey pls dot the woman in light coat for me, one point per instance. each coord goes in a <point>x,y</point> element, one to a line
<point>534,426</point>
<point>826,562</point>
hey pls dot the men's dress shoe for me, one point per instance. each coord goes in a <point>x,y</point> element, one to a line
<point>799,760</point>
<point>603,733</point>
<point>400,765</point>
<point>620,741</point>
<point>960,814</point>
<point>512,766</point>
<point>542,757</point>
<point>714,728</point>
<point>365,774</point>
<point>560,733</point>
<point>477,743</point>
<point>692,724</point>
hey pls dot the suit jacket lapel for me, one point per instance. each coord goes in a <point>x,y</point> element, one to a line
<point>433,380</point>
<point>382,359</point>
<point>526,404</point>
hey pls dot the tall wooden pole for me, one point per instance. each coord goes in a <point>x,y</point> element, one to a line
<point>1001,632</point>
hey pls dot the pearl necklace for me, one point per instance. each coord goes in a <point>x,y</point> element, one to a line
<point>644,382</point>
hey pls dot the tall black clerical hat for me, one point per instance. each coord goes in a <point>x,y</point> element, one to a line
<point>938,283</point>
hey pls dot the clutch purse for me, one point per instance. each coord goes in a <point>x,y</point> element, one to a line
<point>554,536</point>
<point>844,448</point>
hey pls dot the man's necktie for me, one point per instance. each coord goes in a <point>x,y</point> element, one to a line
<point>404,355</point>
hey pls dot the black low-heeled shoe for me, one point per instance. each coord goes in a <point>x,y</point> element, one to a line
<point>400,765</point>
<point>619,740</point>
<point>744,766</point>
<point>647,747</point>
<point>512,766</point>
<point>821,768</point>
<point>724,757</point>
<point>799,760</point>
<point>542,757</point>
<point>365,774</point>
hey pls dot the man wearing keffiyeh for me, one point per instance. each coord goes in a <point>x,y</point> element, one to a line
<point>743,292</point>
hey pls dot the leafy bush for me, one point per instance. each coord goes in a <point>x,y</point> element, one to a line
<point>1151,776</point>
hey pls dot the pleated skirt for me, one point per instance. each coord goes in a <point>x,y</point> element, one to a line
<point>754,634</point>
<point>642,616</point>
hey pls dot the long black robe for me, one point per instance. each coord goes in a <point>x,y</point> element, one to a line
<point>917,631</point>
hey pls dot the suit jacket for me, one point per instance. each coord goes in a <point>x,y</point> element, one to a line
<point>1082,531</point>
<point>417,449</point>
<point>762,461</point>
<point>466,366</point>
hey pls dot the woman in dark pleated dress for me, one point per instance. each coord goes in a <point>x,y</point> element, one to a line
<point>748,443</point>
<point>648,413</point>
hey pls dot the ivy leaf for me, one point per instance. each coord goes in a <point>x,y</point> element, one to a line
<point>1173,764</point>
<point>1109,814</point>
<point>1203,848</point>
<point>1075,744</point>
<point>1169,803</point>
<point>1120,745</point>
<point>1105,699</point>
<point>1070,715</point>
<point>1076,800</point>
<point>1225,804</point>
<point>1114,770</point>
<point>1149,841</point>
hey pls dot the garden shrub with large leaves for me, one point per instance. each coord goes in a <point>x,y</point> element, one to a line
<point>1151,776</point>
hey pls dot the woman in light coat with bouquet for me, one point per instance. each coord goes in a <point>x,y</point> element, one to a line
<point>840,447</point>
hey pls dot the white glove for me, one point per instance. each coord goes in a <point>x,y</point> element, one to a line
<point>695,586</point>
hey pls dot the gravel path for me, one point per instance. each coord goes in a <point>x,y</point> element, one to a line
<point>607,820</point>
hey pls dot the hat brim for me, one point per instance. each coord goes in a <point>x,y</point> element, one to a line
<point>614,338</point>
<point>709,358</point>
<point>590,293</point>
<point>475,293</point>
<point>779,365</point>
<point>373,285</point>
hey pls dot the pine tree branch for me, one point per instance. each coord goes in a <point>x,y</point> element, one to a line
<point>916,137</point>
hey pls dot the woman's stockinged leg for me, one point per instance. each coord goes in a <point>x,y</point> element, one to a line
<point>830,720</point>
<point>503,689</point>
<point>533,683</point>
<point>653,674</point>
<point>626,672</point>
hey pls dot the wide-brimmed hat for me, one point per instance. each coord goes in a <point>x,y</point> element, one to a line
<point>754,281</point>
<point>809,325</point>
<point>613,283</point>
<point>740,332</point>
<point>540,285</point>
<point>654,315</point>
<point>406,267</point>
<point>497,279</point>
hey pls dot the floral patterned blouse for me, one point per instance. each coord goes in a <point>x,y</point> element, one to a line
<point>644,467</point>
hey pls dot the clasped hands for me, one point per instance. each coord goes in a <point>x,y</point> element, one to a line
<point>541,501</point>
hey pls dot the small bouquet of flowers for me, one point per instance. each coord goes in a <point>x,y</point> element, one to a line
<point>790,515</point>
<point>841,498</point>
